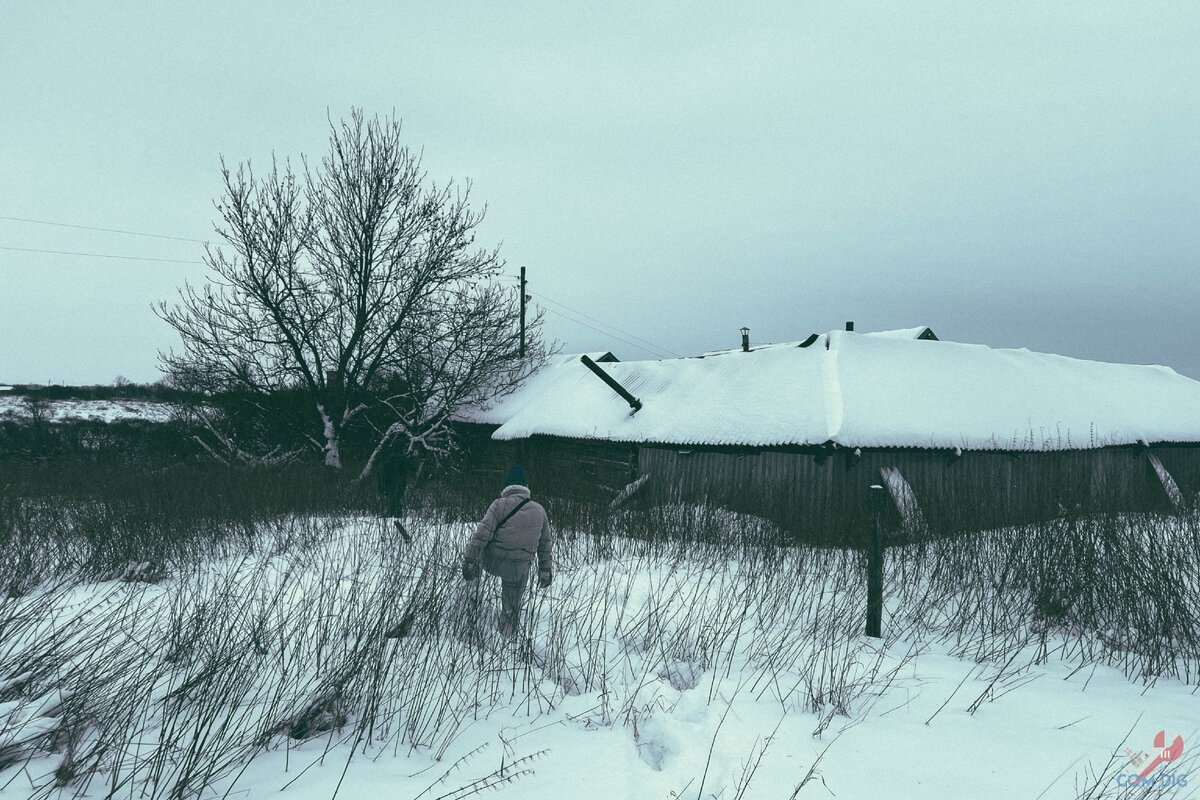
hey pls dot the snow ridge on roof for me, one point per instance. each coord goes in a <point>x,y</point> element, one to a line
<point>861,390</point>
<point>903,333</point>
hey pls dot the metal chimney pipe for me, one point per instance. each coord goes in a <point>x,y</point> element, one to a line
<point>745,340</point>
<point>850,325</point>
<point>634,403</point>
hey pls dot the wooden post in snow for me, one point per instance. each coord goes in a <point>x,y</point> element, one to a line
<point>875,564</point>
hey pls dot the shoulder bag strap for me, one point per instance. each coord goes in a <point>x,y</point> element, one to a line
<point>500,524</point>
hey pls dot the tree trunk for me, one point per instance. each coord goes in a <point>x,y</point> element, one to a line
<point>333,453</point>
<point>393,429</point>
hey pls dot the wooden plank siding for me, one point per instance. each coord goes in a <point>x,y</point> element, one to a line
<point>1183,462</point>
<point>822,495</point>
<point>582,469</point>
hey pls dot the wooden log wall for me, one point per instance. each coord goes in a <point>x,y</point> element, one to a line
<point>1183,462</point>
<point>821,495</point>
<point>579,469</point>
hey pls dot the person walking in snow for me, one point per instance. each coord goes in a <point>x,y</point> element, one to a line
<point>511,534</point>
<point>395,469</point>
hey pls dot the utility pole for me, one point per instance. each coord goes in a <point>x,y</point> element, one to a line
<point>522,352</point>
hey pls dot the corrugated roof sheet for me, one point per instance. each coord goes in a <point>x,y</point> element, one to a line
<point>863,390</point>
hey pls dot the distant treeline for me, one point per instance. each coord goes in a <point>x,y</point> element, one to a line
<point>157,392</point>
<point>260,424</point>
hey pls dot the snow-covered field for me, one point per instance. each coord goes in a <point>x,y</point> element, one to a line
<point>13,407</point>
<point>727,668</point>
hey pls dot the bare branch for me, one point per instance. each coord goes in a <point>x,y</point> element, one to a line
<point>357,282</point>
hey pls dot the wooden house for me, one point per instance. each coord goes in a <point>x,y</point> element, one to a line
<point>963,436</point>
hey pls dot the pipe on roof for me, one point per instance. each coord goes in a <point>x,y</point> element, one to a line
<point>634,403</point>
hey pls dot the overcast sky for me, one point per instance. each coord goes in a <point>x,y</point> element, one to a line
<point>1014,174</point>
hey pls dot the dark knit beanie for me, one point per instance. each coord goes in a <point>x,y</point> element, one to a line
<point>515,477</point>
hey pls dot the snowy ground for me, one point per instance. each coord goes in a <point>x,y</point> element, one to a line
<point>13,407</point>
<point>692,670</point>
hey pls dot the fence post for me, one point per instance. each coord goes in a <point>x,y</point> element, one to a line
<point>875,564</point>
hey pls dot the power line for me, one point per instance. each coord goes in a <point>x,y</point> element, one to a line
<point>104,230</point>
<point>101,255</point>
<point>613,327</point>
<point>605,333</point>
<point>656,349</point>
<point>652,348</point>
<point>646,345</point>
<point>609,334</point>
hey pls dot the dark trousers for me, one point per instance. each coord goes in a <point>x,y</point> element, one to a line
<point>394,493</point>
<point>514,577</point>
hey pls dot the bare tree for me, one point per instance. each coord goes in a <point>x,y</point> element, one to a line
<point>359,284</point>
<point>38,409</point>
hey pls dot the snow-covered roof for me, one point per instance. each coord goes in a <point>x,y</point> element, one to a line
<point>502,409</point>
<point>860,390</point>
<point>919,332</point>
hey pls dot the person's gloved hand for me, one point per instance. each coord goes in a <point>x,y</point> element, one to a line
<point>470,570</point>
<point>544,579</point>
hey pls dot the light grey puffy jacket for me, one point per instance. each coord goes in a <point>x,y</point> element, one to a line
<point>526,534</point>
